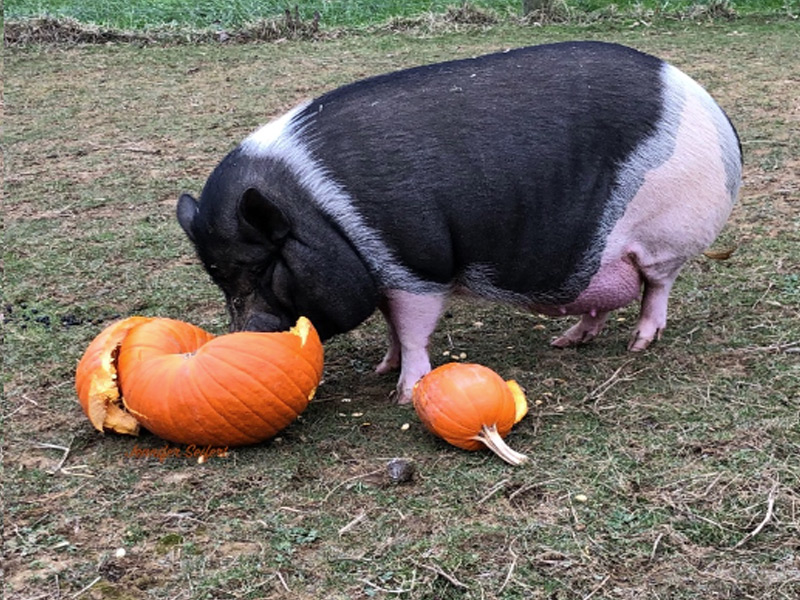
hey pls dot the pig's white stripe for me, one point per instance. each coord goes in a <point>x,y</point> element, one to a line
<point>282,140</point>
<point>729,145</point>
<point>651,154</point>
<point>265,140</point>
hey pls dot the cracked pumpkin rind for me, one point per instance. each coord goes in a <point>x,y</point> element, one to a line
<point>96,380</point>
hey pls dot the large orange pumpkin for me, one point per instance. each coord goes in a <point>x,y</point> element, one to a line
<point>471,407</point>
<point>189,387</point>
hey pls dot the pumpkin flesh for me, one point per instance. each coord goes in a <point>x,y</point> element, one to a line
<point>96,381</point>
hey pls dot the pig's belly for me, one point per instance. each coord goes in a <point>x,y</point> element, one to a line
<point>615,285</point>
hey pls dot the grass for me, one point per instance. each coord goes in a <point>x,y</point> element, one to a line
<point>143,14</point>
<point>651,475</point>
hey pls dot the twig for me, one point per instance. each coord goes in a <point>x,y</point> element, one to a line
<point>183,515</point>
<point>87,588</point>
<point>495,488</point>
<point>572,510</point>
<point>770,508</point>
<point>141,150</point>
<point>283,581</point>
<point>787,347</point>
<point>510,570</point>
<point>764,295</point>
<point>655,547</point>
<point>705,519</point>
<point>385,590</point>
<point>601,389</point>
<point>529,486</point>
<point>597,589</point>
<point>446,575</point>
<point>60,464</point>
<point>770,142</point>
<point>346,481</point>
<point>711,485</point>
<point>65,449</point>
<point>352,523</point>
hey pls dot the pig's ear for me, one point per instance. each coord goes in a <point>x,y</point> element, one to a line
<point>260,214</point>
<point>187,211</point>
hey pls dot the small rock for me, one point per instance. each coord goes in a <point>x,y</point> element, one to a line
<point>401,470</point>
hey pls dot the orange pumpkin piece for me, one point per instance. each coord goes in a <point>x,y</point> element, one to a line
<point>96,380</point>
<point>190,387</point>
<point>471,407</point>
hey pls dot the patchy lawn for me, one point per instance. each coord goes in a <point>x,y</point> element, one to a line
<point>671,474</point>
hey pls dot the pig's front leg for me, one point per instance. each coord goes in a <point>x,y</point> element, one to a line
<point>391,361</point>
<point>411,319</point>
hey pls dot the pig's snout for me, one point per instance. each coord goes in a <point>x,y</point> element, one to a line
<point>248,314</point>
<point>262,322</point>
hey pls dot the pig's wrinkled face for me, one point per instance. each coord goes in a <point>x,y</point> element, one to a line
<point>244,265</point>
<point>246,288</point>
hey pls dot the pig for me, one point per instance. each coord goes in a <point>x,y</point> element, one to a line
<point>568,179</point>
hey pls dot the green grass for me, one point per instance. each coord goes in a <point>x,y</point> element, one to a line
<point>678,450</point>
<point>141,14</point>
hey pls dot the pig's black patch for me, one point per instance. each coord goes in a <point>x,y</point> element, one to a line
<point>505,161</point>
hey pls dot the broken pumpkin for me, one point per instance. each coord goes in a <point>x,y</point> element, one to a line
<point>188,386</point>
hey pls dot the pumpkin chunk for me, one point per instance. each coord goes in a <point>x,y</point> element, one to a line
<point>96,380</point>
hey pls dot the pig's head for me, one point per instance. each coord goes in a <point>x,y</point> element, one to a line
<point>275,262</point>
<point>241,251</point>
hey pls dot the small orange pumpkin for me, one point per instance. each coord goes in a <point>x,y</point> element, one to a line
<point>189,387</point>
<point>471,407</point>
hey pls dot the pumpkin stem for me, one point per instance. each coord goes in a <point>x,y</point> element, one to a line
<point>492,440</point>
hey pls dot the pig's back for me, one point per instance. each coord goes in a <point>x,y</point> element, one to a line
<point>497,172</point>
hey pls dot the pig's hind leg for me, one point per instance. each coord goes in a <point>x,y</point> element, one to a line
<point>585,330</point>
<point>640,275</point>
<point>616,284</point>
<point>411,319</point>
<point>658,280</point>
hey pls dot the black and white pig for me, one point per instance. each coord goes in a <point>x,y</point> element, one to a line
<point>569,179</point>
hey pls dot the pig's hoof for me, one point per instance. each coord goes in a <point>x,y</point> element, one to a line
<point>573,338</point>
<point>563,342</point>
<point>641,342</point>
<point>387,365</point>
<point>401,397</point>
<point>585,330</point>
